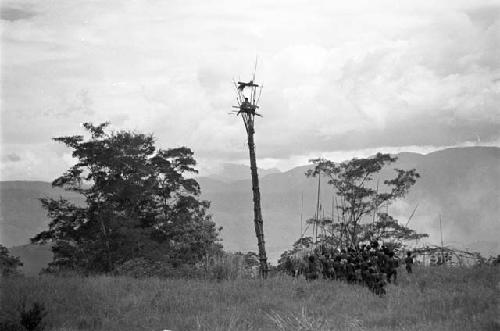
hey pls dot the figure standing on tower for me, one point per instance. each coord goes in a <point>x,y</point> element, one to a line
<point>247,107</point>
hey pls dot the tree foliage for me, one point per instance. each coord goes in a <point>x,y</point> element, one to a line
<point>360,197</point>
<point>138,203</point>
<point>8,263</point>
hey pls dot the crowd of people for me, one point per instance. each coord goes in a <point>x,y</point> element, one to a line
<point>372,265</point>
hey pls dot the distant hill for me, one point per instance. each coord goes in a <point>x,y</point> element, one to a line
<point>460,184</point>
<point>22,217</point>
<point>21,214</point>
<point>231,172</point>
<point>34,257</point>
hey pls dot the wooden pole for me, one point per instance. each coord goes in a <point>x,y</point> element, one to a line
<point>340,224</point>
<point>333,203</point>
<point>301,213</point>
<point>317,209</point>
<point>247,110</point>
<point>441,230</point>
<point>258,221</point>
<point>333,214</point>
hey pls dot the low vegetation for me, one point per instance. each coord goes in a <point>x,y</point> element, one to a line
<point>436,298</point>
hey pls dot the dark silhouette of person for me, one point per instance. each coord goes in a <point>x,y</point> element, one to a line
<point>312,268</point>
<point>247,107</point>
<point>409,262</point>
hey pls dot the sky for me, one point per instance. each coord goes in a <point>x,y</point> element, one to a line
<point>341,78</point>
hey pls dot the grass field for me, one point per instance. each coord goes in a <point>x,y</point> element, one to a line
<point>436,298</point>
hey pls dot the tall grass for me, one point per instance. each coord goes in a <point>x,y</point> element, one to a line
<point>429,299</point>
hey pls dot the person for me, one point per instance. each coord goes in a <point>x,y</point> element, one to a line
<point>382,261</point>
<point>339,268</point>
<point>373,245</point>
<point>358,271</point>
<point>289,267</point>
<point>350,270</point>
<point>375,281</point>
<point>379,284</point>
<point>409,262</point>
<point>328,270</point>
<point>312,271</point>
<point>247,107</point>
<point>392,267</point>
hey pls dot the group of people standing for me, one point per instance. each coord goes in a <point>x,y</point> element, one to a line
<point>371,265</point>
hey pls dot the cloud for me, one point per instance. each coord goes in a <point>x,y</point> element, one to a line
<point>11,157</point>
<point>15,14</point>
<point>484,16</point>
<point>45,162</point>
<point>337,76</point>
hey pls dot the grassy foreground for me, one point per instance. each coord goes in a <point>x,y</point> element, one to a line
<point>429,299</point>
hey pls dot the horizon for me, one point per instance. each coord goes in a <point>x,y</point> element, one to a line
<point>345,156</point>
<point>244,163</point>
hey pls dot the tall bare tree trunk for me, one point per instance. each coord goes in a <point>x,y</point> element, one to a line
<point>259,223</point>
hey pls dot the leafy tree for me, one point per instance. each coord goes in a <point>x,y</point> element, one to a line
<point>138,204</point>
<point>361,196</point>
<point>388,229</point>
<point>8,263</point>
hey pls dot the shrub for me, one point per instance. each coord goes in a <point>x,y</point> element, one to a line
<point>32,319</point>
<point>8,263</point>
<point>11,326</point>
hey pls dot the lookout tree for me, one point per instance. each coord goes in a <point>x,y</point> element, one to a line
<point>360,198</point>
<point>247,98</point>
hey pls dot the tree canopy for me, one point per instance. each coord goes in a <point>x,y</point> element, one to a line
<point>8,263</point>
<point>138,202</point>
<point>360,197</point>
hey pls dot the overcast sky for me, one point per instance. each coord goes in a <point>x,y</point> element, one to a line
<point>341,78</point>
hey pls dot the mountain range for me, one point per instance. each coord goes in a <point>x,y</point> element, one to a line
<point>459,185</point>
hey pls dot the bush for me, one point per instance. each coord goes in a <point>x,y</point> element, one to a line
<point>32,319</point>
<point>11,326</point>
<point>22,318</point>
<point>8,263</point>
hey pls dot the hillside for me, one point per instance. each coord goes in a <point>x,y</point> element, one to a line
<point>21,215</point>
<point>34,257</point>
<point>460,184</point>
<point>231,172</point>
